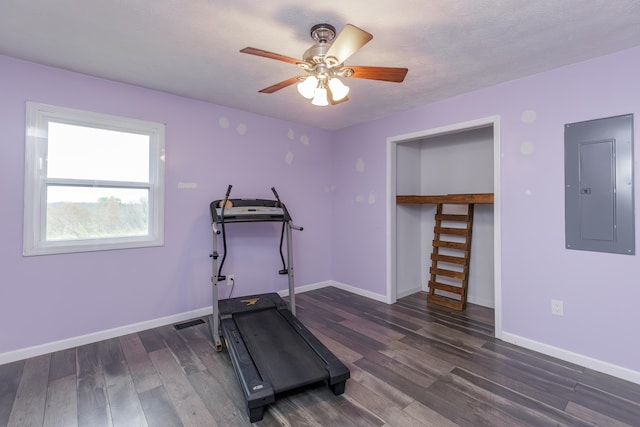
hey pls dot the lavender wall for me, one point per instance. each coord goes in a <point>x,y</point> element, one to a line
<point>334,184</point>
<point>48,298</point>
<point>600,291</point>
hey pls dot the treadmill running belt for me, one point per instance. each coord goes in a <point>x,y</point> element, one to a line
<point>278,351</point>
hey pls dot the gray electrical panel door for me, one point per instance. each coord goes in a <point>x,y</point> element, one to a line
<point>599,208</point>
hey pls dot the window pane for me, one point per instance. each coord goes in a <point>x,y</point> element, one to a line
<point>79,152</point>
<point>79,213</point>
<point>92,181</point>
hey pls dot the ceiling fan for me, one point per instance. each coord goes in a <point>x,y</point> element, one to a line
<point>324,65</point>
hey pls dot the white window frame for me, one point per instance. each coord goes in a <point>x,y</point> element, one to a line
<point>35,187</point>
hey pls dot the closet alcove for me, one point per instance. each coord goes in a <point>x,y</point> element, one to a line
<point>455,169</point>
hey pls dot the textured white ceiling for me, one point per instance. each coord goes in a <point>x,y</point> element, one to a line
<point>191,47</point>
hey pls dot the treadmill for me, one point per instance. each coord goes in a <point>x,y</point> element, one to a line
<point>271,351</point>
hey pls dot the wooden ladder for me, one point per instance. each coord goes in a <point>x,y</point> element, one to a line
<point>457,252</point>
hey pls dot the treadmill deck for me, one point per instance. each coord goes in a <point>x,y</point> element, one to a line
<point>281,355</point>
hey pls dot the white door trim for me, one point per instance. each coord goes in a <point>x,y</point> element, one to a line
<point>392,143</point>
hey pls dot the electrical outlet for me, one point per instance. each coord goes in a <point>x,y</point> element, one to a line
<point>231,279</point>
<point>557,307</point>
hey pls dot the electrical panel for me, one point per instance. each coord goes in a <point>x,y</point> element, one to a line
<point>599,206</point>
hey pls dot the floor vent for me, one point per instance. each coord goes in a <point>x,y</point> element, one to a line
<point>188,324</point>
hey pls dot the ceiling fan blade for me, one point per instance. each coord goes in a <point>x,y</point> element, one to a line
<point>332,102</point>
<point>386,74</point>
<point>270,55</point>
<point>350,39</point>
<point>281,85</point>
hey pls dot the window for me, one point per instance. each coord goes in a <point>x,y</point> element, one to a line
<point>92,181</point>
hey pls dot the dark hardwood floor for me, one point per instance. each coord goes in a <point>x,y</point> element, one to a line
<point>410,365</point>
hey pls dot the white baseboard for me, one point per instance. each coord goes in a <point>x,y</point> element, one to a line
<point>406,293</point>
<point>361,292</point>
<point>578,359</point>
<point>588,362</point>
<point>480,301</point>
<point>344,287</point>
<point>38,350</point>
<point>51,347</point>
<point>306,288</point>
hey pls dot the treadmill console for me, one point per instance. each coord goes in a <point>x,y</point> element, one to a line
<point>246,210</point>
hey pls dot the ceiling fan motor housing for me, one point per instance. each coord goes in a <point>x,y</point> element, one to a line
<point>316,53</point>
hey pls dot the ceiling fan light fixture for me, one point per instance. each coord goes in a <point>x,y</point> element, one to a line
<point>308,86</point>
<point>338,89</point>
<point>320,97</point>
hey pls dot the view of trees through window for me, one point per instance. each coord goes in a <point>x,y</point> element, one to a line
<point>106,217</point>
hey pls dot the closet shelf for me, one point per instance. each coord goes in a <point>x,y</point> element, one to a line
<point>446,198</point>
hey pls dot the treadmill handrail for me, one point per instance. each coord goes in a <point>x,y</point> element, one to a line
<point>295,227</point>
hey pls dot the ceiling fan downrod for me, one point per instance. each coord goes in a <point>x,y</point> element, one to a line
<point>323,33</point>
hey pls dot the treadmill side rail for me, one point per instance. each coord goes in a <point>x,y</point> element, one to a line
<point>257,392</point>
